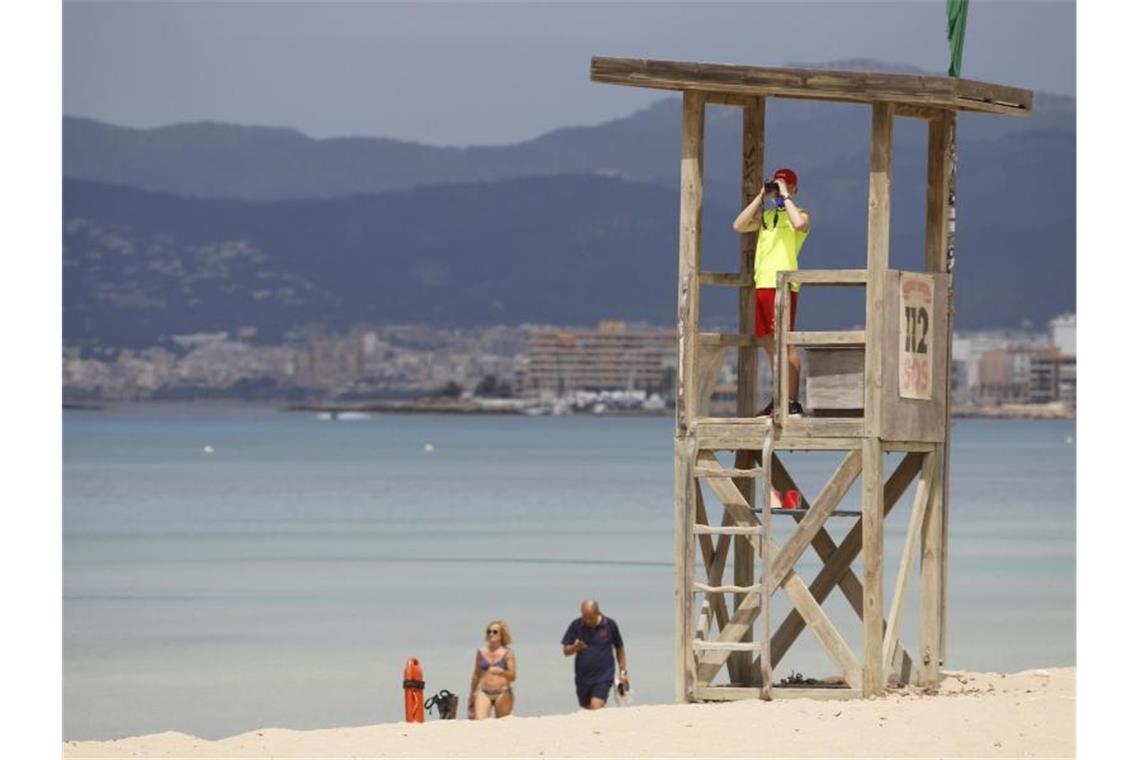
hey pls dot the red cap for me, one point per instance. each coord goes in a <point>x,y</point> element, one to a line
<point>788,176</point>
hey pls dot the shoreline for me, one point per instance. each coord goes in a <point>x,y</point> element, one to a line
<point>518,407</point>
<point>1026,714</point>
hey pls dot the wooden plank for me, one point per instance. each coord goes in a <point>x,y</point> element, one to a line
<point>724,646</point>
<point>729,495</point>
<point>832,277</point>
<point>782,370</point>
<point>835,378</point>
<point>751,177</point>
<point>937,192</point>
<point>769,551</point>
<point>731,530</point>
<point>878,255</point>
<point>739,693</point>
<point>815,84</point>
<point>997,94</point>
<point>681,598</point>
<point>791,443</point>
<point>837,559</point>
<point>930,598</point>
<point>910,419</point>
<point>726,693</point>
<point>902,671</point>
<point>730,99</point>
<point>832,338</point>
<point>919,112</point>
<point>817,622</point>
<point>920,446</point>
<point>731,433</point>
<point>690,564</point>
<point>714,559</point>
<point>688,294</point>
<point>704,620</point>
<point>722,340</point>
<point>729,279</point>
<point>873,513</point>
<point>944,469</point>
<point>906,561</point>
<point>728,472</point>
<point>710,362</point>
<point>828,499</point>
<point>725,588</point>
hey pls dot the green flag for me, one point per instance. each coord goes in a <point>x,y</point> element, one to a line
<point>956,32</point>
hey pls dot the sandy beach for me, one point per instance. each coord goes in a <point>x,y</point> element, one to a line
<point>1027,714</point>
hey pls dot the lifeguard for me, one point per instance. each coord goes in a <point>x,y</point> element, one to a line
<point>782,232</point>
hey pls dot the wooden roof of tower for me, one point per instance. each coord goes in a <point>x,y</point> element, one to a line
<point>725,83</point>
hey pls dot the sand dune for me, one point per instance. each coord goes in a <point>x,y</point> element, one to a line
<point>1029,714</point>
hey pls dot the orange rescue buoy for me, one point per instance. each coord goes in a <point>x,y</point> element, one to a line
<point>413,691</point>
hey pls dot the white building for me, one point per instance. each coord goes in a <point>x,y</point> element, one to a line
<point>1063,330</point>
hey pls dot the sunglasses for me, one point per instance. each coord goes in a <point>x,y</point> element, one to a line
<point>492,630</point>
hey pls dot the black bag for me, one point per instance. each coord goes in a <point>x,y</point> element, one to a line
<point>445,703</point>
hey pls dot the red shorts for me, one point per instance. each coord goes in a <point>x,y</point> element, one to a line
<point>766,311</point>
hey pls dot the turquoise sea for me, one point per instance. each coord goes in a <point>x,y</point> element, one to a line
<point>283,579</point>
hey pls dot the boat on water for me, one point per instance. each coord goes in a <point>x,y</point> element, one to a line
<point>337,416</point>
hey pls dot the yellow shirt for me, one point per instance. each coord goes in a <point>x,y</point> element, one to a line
<point>777,248</point>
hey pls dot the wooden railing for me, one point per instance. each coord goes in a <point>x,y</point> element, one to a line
<point>785,337</point>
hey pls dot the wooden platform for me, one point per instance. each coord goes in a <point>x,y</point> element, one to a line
<point>920,93</point>
<point>799,434</point>
<point>734,693</point>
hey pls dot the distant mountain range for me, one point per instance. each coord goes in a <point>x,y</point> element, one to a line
<point>210,226</point>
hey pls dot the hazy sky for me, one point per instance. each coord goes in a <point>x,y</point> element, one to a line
<point>480,73</point>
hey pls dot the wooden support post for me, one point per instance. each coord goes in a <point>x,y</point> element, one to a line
<point>939,166</point>
<point>685,486</point>
<point>688,293</point>
<point>769,588</point>
<point>681,478</point>
<point>751,175</point>
<point>906,561</point>
<point>873,678</point>
<point>878,256</point>
<point>937,187</point>
<point>688,392</point>
<point>931,612</point>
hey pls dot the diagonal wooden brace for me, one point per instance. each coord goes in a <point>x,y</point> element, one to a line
<point>811,523</point>
<point>714,559</point>
<point>837,560</point>
<point>808,608</point>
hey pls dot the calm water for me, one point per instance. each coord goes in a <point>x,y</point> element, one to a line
<point>284,579</point>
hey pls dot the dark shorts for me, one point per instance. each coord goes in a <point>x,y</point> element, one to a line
<point>766,311</point>
<point>587,691</point>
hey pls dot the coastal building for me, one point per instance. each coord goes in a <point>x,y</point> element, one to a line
<point>615,356</point>
<point>1063,330</point>
<point>1003,376</point>
<point>983,375</point>
<point>1052,378</point>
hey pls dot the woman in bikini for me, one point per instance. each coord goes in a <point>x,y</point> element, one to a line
<point>494,673</point>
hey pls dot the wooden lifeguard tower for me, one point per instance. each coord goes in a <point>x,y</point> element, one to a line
<point>868,392</point>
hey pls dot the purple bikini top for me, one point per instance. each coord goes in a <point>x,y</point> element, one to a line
<point>486,664</point>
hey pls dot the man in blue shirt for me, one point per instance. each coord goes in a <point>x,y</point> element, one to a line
<point>593,639</point>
